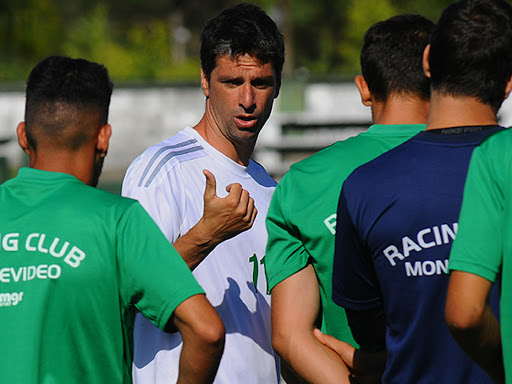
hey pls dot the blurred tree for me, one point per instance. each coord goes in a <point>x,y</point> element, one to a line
<point>28,32</point>
<point>428,8</point>
<point>316,31</point>
<point>361,15</point>
<point>158,40</point>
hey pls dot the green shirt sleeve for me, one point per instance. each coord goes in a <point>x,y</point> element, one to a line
<point>153,276</point>
<point>285,254</point>
<point>478,247</point>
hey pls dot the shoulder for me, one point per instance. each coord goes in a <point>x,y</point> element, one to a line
<point>497,141</point>
<point>91,202</point>
<point>368,175</point>
<point>330,154</point>
<point>110,199</point>
<point>332,163</point>
<point>260,174</point>
<point>163,158</point>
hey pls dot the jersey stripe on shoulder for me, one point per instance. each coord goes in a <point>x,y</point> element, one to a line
<point>166,158</point>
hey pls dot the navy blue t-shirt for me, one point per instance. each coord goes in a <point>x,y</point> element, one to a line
<point>397,218</point>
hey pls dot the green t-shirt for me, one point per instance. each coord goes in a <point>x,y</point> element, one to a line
<point>484,242</point>
<point>75,264</point>
<point>301,220</point>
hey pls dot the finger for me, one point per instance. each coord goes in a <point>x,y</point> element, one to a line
<point>210,190</point>
<point>250,208</point>
<point>244,200</point>
<point>234,191</point>
<point>344,350</point>
<point>253,216</point>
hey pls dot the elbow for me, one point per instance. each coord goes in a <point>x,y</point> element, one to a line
<point>285,340</point>
<point>207,335</point>
<point>280,340</point>
<point>213,334</point>
<point>461,320</point>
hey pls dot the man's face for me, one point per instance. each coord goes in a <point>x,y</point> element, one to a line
<point>240,95</point>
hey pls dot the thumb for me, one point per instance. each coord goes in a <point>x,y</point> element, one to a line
<point>210,190</point>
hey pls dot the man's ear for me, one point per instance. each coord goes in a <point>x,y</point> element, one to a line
<point>205,84</point>
<point>364,91</point>
<point>508,87</point>
<point>22,137</point>
<point>426,64</point>
<point>104,138</point>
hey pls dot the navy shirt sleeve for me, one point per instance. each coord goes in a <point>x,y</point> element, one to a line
<point>355,285</point>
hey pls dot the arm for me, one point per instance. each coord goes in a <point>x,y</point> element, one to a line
<point>293,322</point>
<point>472,323</point>
<point>223,218</point>
<point>203,333</point>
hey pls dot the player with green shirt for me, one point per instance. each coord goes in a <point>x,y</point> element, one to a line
<point>56,247</point>
<point>77,263</point>
<point>301,221</point>
<point>481,255</point>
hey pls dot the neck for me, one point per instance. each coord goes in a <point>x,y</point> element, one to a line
<point>450,111</point>
<point>77,163</point>
<point>238,152</point>
<point>400,109</point>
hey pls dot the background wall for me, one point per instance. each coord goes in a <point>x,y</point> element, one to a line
<point>318,115</point>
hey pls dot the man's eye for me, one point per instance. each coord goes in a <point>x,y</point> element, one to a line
<point>262,84</point>
<point>233,83</point>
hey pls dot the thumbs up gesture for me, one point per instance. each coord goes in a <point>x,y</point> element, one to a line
<point>226,217</point>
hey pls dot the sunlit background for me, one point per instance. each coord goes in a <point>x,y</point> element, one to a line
<point>151,48</point>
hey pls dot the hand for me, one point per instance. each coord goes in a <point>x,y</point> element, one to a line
<point>365,367</point>
<point>343,349</point>
<point>224,218</point>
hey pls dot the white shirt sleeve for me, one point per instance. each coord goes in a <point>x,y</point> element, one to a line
<point>159,199</point>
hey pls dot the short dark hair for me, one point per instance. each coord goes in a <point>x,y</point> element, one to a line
<point>62,96</point>
<point>471,50</point>
<point>392,56</point>
<point>242,29</point>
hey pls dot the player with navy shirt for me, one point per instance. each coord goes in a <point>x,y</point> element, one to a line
<point>397,220</point>
<point>398,215</point>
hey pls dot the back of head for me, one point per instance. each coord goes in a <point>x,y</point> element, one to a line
<point>67,100</point>
<point>242,29</point>
<point>391,58</point>
<point>471,50</point>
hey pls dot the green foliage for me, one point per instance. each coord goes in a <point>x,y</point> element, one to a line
<point>141,53</point>
<point>135,39</point>
<point>428,8</point>
<point>361,15</point>
<point>28,32</point>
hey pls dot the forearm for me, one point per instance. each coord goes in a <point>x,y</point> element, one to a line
<point>295,309</point>
<point>482,343</point>
<point>203,335</point>
<point>472,323</point>
<point>195,245</point>
<point>199,361</point>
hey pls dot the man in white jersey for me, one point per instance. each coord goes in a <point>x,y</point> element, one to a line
<point>202,188</point>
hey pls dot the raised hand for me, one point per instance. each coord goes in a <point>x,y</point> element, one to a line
<point>226,217</point>
<point>223,218</point>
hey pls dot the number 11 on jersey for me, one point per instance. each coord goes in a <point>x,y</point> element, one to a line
<point>255,271</point>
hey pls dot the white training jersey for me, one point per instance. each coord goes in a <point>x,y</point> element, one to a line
<point>168,181</point>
